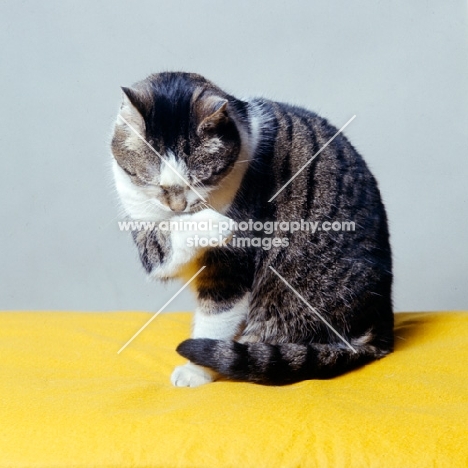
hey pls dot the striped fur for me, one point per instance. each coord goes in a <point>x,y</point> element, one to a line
<point>276,364</point>
<point>240,153</point>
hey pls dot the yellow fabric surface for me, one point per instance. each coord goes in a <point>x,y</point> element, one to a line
<point>68,399</point>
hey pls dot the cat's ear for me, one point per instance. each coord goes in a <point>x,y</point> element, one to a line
<point>213,114</point>
<point>132,109</point>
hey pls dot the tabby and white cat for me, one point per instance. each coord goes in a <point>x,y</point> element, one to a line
<point>235,154</point>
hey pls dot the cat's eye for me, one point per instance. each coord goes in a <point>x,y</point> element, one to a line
<point>131,174</point>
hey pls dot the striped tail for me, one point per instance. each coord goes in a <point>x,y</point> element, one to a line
<point>280,364</point>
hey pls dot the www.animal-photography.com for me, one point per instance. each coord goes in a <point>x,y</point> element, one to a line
<point>234,234</point>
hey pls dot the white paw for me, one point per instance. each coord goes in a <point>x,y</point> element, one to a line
<point>219,227</point>
<point>191,375</point>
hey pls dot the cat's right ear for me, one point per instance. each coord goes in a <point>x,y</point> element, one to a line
<point>132,109</point>
<point>212,114</point>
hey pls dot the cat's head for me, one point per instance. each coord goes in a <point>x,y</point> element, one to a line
<point>177,137</point>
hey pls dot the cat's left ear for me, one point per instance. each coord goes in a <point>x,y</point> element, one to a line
<point>214,115</point>
<point>132,109</point>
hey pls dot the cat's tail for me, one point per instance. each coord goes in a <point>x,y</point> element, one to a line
<point>278,364</point>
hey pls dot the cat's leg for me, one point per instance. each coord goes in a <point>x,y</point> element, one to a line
<point>211,320</point>
<point>164,252</point>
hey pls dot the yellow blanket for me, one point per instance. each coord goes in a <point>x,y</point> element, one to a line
<point>68,399</point>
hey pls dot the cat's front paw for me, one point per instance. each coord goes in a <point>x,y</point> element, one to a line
<point>191,375</point>
<point>219,227</point>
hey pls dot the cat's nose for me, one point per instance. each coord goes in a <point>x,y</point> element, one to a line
<point>177,203</point>
<point>175,197</point>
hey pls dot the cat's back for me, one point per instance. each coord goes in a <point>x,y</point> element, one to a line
<point>300,130</point>
<point>314,167</point>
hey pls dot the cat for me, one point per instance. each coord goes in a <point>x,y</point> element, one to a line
<point>314,307</point>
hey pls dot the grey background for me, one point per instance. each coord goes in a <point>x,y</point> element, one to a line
<point>400,66</point>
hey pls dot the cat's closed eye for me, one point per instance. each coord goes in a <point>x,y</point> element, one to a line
<point>131,174</point>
